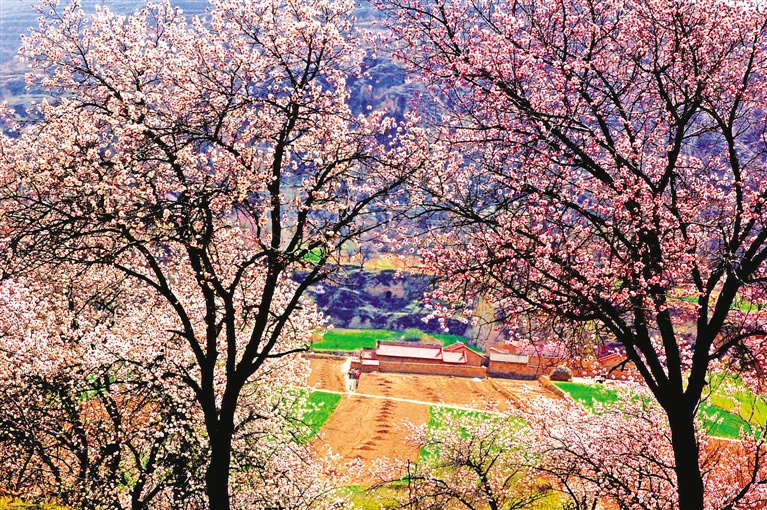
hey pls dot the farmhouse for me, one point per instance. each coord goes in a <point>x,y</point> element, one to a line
<point>456,359</point>
<point>516,360</point>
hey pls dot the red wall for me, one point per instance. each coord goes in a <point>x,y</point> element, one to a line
<point>402,359</point>
<point>496,368</point>
<point>430,368</point>
<point>472,358</point>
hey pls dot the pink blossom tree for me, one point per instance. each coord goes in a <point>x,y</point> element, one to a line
<point>214,162</point>
<point>623,453</point>
<point>87,416</point>
<point>473,461</point>
<point>603,162</point>
<point>94,411</point>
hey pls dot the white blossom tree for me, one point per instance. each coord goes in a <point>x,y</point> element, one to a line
<point>215,163</point>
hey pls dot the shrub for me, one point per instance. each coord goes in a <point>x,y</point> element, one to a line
<point>561,373</point>
<point>413,335</point>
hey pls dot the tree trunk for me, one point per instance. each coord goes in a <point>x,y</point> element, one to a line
<point>217,475</point>
<point>686,455</point>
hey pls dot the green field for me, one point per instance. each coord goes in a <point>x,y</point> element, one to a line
<point>339,339</point>
<point>730,394</point>
<point>437,415</point>
<point>589,394</point>
<point>716,420</point>
<point>314,411</point>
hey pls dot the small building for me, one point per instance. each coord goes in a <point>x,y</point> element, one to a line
<point>522,360</point>
<point>506,364</point>
<point>456,359</point>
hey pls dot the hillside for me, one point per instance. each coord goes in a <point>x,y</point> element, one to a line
<point>379,300</point>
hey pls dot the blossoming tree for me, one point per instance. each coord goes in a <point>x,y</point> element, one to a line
<point>470,460</point>
<point>94,410</point>
<point>622,453</point>
<point>215,162</point>
<point>603,162</point>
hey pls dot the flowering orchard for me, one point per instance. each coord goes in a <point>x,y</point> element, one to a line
<point>554,453</point>
<point>597,162</point>
<point>200,162</point>
<point>94,409</point>
<point>595,165</point>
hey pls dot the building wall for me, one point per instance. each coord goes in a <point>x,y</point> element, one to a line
<point>402,359</point>
<point>472,358</point>
<point>432,369</point>
<point>514,370</point>
<point>365,369</point>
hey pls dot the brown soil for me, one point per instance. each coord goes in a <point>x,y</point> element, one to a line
<point>326,374</point>
<point>368,428</point>
<point>521,391</point>
<point>460,391</point>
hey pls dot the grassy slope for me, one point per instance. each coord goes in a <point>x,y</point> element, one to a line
<point>316,410</point>
<point>716,421</point>
<point>729,393</point>
<point>339,339</point>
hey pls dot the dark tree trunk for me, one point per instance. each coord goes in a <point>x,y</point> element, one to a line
<point>686,455</point>
<point>217,476</point>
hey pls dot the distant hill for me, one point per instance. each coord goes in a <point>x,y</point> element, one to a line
<point>379,300</point>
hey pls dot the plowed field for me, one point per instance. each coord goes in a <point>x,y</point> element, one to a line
<point>368,423</point>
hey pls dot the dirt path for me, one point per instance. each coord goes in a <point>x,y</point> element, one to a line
<point>460,391</point>
<point>408,401</point>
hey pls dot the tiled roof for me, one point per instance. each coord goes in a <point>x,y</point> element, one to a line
<point>409,351</point>
<point>507,358</point>
<point>462,347</point>
<point>454,357</point>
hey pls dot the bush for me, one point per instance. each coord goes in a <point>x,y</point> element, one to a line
<point>561,373</point>
<point>413,335</point>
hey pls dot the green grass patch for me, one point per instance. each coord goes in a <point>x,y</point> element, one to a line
<point>739,303</point>
<point>339,339</point>
<point>730,394</point>
<point>588,394</point>
<point>440,415</point>
<point>437,418</point>
<point>720,423</point>
<point>451,339</point>
<point>353,339</point>
<point>376,498</point>
<point>717,421</point>
<point>316,408</point>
